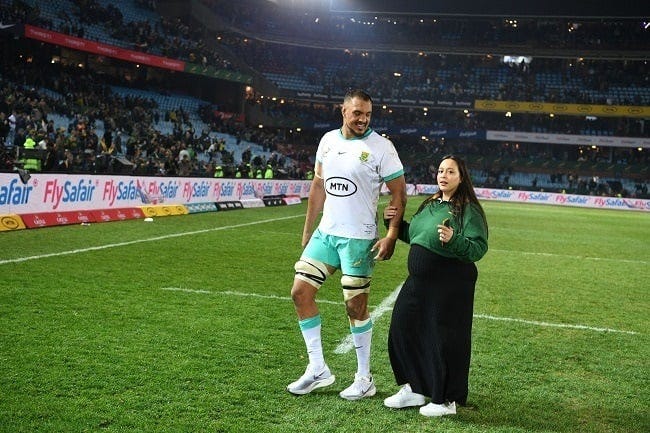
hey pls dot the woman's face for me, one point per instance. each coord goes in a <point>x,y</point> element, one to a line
<point>448,177</point>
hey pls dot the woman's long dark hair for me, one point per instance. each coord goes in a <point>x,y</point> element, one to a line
<point>463,195</point>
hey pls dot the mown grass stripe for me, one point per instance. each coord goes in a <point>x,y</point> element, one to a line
<point>386,305</point>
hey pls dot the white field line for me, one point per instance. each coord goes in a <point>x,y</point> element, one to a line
<point>250,295</point>
<point>387,304</point>
<point>553,325</point>
<point>176,235</point>
<point>139,241</point>
<point>568,256</point>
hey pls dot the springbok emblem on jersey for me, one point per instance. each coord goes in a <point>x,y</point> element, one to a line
<point>364,156</point>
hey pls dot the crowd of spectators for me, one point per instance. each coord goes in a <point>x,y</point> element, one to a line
<point>103,129</point>
<point>418,76</point>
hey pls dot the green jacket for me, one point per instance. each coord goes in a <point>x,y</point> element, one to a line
<point>469,242</point>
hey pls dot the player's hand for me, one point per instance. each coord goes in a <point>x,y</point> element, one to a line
<point>384,248</point>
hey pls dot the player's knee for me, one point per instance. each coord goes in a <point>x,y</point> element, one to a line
<point>313,272</point>
<point>354,286</point>
<point>302,293</point>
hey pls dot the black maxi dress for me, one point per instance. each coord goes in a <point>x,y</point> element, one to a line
<point>438,296</point>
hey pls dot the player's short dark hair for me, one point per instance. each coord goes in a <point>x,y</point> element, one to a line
<point>357,93</point>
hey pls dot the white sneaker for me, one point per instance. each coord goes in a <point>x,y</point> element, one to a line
<point>310,381</point>
<point>433,409</point>
<point>405,397</point>
<point>363,386</point>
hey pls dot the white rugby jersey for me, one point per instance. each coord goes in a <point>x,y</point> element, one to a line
<point>353,171</point>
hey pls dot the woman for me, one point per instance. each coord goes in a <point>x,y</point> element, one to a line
<point>429,341</point>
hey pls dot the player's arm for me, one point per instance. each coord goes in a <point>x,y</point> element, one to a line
<point>397,188</point>
<point>314,204</point>
<point>386,246</point>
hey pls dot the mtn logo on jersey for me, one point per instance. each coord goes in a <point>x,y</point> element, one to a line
<point>340,186</point>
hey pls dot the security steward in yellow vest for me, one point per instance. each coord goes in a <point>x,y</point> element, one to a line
<point>31,164</point>
<point>268,174</point>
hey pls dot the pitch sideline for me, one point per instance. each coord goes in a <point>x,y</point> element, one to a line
<point>140,241</point>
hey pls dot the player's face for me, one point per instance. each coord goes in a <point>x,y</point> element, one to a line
<point>448,177</point>
<point>356,117</point>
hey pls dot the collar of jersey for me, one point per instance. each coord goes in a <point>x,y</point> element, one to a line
<point>367,133</point>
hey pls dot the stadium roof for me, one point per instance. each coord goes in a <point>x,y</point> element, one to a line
<point>512,8</point>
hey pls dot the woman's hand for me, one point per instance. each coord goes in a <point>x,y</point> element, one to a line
<point>389,212</point>
<point>445,231</point>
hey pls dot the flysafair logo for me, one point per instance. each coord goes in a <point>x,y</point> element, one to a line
<point>120,191</point>
<point>267,188</point>
<point>280,188</point>
<point>69,192</point>
<point>247,190</point>
<point>295,188</point>
<point>14,193</point>
<point>195,190</point>
<point>168,189</point>
<point>223,190</point>
<point>574,199</point>
<point>340,186</point>
<point>529,196</point>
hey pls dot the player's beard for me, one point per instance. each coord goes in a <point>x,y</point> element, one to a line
<point>357,131</point>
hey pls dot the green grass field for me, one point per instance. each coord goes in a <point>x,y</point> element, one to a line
<point>185,325</point>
